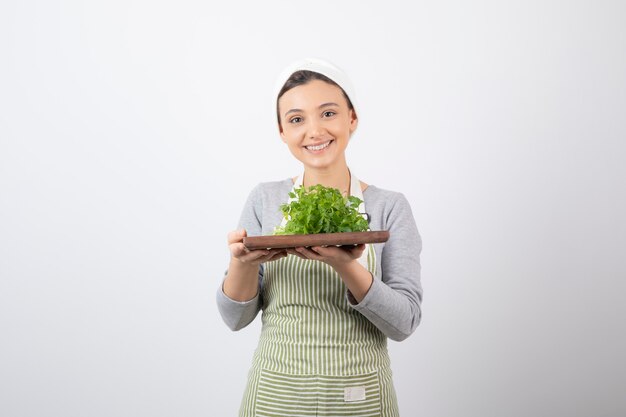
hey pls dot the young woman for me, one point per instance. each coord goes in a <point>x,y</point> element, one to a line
<point>327,311</point>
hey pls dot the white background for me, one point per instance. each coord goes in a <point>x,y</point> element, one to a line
<point>132,131</point>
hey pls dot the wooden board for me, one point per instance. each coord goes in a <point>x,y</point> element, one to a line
<point>320,239</point>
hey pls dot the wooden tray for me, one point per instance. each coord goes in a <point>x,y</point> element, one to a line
<point>320,239</point>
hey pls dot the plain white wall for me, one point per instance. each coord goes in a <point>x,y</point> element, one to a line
<point>132,131</point>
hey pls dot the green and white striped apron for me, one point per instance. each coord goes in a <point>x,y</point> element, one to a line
<point>317,356</point>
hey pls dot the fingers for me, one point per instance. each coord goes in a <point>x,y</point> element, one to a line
<point>261,256</point>
<point>257,256</point>
<point>330,253</point>
<point>318,253</point>
<point>245,255</point>
<point>353,251</point>
<point>310,253</point>
<point>356,251</point>
<point>238,249</point>
<point>277,255</point>
<point>236,236</point>
<point>271,255</point>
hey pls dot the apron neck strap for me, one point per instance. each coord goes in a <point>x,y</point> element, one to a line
<point>355,185</point>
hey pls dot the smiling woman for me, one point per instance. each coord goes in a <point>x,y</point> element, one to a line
<point>317,134</point>
<point>327,311</point>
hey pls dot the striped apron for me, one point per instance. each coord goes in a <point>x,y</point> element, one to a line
<point>317,356</point>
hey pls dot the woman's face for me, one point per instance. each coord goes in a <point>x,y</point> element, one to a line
<point>316,123</point>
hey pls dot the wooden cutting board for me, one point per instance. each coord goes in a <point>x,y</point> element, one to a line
<point>320,239</point>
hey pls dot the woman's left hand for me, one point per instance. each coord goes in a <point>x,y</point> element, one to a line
<point>334,256</point>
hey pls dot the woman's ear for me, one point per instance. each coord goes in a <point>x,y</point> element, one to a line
<point>354,121</point>
<point>282,134</point>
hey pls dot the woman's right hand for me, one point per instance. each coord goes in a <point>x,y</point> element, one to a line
<point>250,257</point>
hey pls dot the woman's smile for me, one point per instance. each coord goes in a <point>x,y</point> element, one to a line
<point>319,148</point>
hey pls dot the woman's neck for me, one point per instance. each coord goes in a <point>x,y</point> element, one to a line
<point>336,178</point>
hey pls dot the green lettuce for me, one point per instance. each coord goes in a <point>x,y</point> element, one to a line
<point>321,209</point>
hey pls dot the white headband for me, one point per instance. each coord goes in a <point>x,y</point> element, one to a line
<point>320,66</point>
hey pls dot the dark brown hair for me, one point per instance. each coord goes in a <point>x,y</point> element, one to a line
<point>303,77</point>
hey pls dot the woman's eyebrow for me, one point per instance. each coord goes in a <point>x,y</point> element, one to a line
<point>319,107</point>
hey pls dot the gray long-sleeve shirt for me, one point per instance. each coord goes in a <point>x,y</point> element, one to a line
<point>393,302</point>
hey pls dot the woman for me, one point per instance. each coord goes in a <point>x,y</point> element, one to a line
<point>327,311</point>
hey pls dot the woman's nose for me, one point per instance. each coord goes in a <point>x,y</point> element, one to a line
<point>316,128</point>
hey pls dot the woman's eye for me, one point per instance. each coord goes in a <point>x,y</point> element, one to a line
<point>329,113</point>
<point>295,120</point>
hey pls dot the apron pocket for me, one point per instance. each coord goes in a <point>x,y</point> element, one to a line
<point>355,395</point>
<point>288,395</point>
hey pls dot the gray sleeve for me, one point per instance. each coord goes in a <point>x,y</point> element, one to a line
<point>238,314</point>
<point>393,303</point>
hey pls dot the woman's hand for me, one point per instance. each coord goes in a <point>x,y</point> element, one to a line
<point>332,255</point>
<point>241,282</point>
<point>250,257</point>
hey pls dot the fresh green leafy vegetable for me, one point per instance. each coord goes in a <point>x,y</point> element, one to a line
<point>321,209</point>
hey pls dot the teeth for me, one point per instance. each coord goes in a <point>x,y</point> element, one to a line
<point>318,147</point>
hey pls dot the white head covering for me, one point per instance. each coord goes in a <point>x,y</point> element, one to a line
<point>320,66</point>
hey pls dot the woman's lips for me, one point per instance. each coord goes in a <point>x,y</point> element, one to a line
<point>319,147</point>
